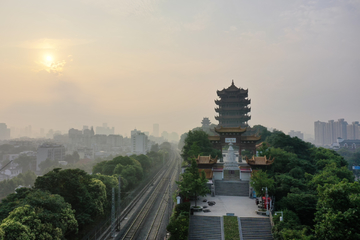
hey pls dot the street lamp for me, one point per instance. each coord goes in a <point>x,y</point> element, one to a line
<point>282,215</point>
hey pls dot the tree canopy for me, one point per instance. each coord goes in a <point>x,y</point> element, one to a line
<point>338,211</point>
<point>197,143</point>
<point>193,183</point>
<point>86,194</point>
<point>36,215</point>
<point>304,176</point>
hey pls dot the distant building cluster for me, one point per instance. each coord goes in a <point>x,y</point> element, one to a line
<point>298,134</point>
<point>104,130</point>
<point>87,143</point>
<point>4,132</point>
<point>83,140</point>
<point>49,151</point>
<point>332,132</point>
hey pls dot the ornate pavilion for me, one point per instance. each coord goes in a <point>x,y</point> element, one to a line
<point>233,109</point>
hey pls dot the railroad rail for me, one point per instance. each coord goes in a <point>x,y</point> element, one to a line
<point>132,231</point>
<point>106,232</point>
<point>153,232</point>
<point>105,229</point>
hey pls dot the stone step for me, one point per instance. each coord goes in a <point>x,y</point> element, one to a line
<point>256,228</point>
<point>204,227</point>
<point>232,188</point>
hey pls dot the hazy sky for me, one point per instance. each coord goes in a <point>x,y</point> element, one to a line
<point>132,63</point>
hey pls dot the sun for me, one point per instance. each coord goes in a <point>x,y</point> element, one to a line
<point>49,58</point>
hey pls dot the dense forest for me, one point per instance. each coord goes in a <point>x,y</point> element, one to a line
<point>66,203</point>
<point>313,187</point>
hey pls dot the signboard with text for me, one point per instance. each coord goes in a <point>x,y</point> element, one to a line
<point>230,140</point>
<point>356,167</point>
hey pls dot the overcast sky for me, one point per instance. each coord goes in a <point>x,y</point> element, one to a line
<point>132,63</point>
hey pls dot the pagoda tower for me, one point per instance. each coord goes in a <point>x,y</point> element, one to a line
<point>233,107</point>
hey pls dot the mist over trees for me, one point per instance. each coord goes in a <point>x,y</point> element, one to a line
<point>312,186</point>
<point>64,203</point>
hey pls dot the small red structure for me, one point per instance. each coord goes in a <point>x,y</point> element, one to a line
<point>266,202</point>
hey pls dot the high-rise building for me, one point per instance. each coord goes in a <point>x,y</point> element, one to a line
<point>353,131</point>
<point>319,133</point>
<point>4,132</point>
<point>233,107</point>
<point>139,142</point>
<point>340,129</point>
<point>155,130</point>
<point>327,133</point>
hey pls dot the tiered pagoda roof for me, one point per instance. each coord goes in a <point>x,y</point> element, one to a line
<point>233,107</point>
<point>222,129</point>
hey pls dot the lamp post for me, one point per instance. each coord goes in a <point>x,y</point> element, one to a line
<point>282,215</point>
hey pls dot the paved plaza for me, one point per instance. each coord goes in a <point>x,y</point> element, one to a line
<point>240,206</point>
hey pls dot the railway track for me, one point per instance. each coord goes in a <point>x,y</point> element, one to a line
<point>124,213</point>
<point>153,232</point>
<point>136,224</point>
<point>126,216</point>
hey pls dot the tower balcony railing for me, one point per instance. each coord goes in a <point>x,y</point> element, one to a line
<point>232,100</point>
<point>245,109</point>
<point>243,118</point>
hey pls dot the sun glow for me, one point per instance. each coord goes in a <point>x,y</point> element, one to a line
<point>49,58</point>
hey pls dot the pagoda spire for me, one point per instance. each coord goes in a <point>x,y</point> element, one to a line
<point>232,82</point>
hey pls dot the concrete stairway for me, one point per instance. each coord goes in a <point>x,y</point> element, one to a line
<point>232,188</point>
<point>256,228</point>
<point>205,228</point>
<point>235,176</point>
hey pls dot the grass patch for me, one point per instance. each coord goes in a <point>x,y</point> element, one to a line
<point>231,228</point>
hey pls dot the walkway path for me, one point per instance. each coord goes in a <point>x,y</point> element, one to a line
<point>208,225</point>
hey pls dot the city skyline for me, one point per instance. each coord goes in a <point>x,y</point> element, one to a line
<point>135,63</point>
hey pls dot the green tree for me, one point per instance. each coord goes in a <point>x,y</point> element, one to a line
<point>202,145</point>
<point>144,160</point>
<point>338,211</point>
<point>47,164</point>
<point>301,203</point>
<point>8,186</point>
<point>13,201</point>
<point>331,174</point>
<point>50,208</point>
<point>24,223</point>
<point>323,157</point>
<point>110,182</point>
<point>262,131</point>
<point>155,157</point>
<point>290,221</point>
<point>293,145</point>
<point>284,184</point>
<point>155,148</point>
<point>193,184</point>
<point>259,180</point>
<point>25,162</point>
<point>85,193</point>
<point>132,174</point>
<point>107,167</point>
